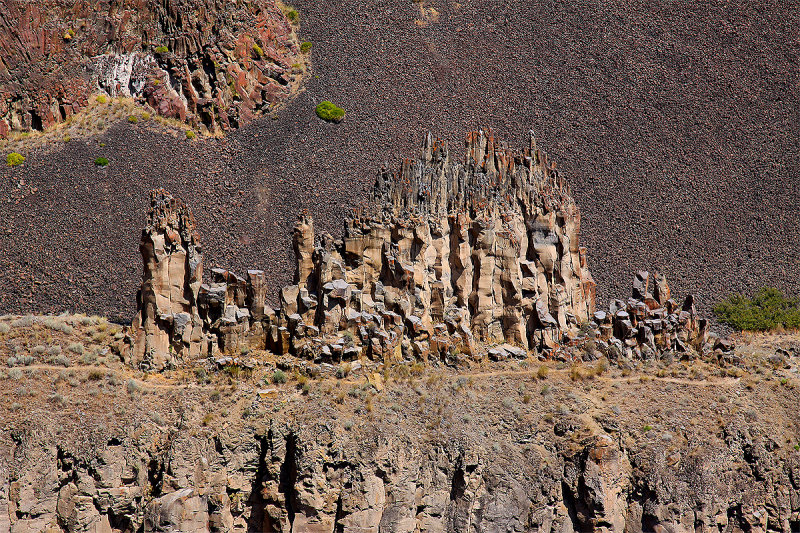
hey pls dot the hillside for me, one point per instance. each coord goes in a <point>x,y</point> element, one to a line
<point>675,123</point>
<point>89,444</point>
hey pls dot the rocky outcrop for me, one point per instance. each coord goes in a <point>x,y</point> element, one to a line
<point>444,252</point>
<point>167,326</point>
<point>211,63</point>
<point>650,323</point>
<point>445,255</point>
<point>320,479</point>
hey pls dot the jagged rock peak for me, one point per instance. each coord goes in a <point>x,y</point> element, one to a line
<point>168,212</point>
<point>167,324</point>
<point>492,177</point>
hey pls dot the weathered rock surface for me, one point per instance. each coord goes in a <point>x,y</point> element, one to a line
<point>167,326</point>
<point>210,63</point>
<point>311,475</point>
<point>442,255</point>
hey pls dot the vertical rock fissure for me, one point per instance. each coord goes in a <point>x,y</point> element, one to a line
<point>256,501</point>
<point>338,525</point>
<point>288,477</point>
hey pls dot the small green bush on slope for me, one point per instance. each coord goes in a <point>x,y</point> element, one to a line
<point>330,112</point>
<point>13,159</point>
<point>769,309</point>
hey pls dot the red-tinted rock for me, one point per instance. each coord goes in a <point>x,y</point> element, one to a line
<point>54,55</point>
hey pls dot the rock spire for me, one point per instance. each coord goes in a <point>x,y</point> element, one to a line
<point>445,259</point>
<point>167,325</point>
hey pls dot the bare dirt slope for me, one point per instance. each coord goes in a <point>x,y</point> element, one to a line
<point>675,121</point>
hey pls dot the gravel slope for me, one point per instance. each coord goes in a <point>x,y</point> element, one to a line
<point>676,122</point>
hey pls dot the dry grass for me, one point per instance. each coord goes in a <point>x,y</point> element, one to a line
<point>101,113</point>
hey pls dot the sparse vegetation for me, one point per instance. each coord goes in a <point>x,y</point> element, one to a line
<point>343,370</point>
<point>291,14</point>
<point>542,372</point>
<point>76,348</point>
<point>278,377</point>
<point>162,49</point>
<point>190,134</point>
<point>14,159</point>
<point>57,399</point>
<point>101,99</point>
<point>258,51</point>
<point>61,360</point>
<point>306,47</point>
<point>768,310</point>
<point>20,360</point>
<point>133,119</point>
<point>330,112</point>
<point>101,162</point>
<point>132,386</point>
<point>23,322</point>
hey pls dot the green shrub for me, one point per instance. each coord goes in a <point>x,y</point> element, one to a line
<point>190,134</point>
<point>257,50</point>
<point>13,159</point>
<point>769,309</point>
<point>279,376</point>
<point>133,119</point>
<point>101,99</point>
<point>162,49</point>
<point>330,112</point>
<point>292,14</point>
<point>101,162</point>
<point>306,47</point>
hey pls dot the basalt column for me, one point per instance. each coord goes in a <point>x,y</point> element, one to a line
<point>167,326</point>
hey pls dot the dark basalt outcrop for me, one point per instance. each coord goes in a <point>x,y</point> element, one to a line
<point>211,63</point>
<point>442,255</point>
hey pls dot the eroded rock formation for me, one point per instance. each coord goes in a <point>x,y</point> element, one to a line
<point>209,63</point>
<point>320,478</point>
<point>443,255</point>
<point>443,252</point>
<point>167,326</point>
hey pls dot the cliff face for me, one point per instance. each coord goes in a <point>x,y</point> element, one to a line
<point>459,453</point>
<point>211,63</point>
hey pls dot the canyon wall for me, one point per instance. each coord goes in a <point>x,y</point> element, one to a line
<point>212,64</point>
<point>390,475</point>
